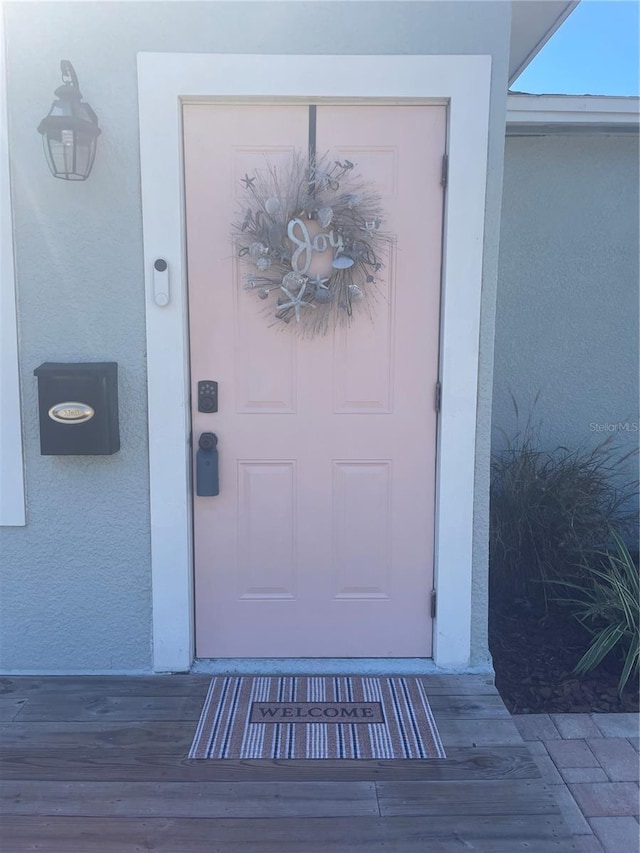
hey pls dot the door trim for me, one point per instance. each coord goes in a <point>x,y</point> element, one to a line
<point>165,81</point>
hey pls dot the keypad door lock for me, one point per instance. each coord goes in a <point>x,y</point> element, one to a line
<point>207,396</point>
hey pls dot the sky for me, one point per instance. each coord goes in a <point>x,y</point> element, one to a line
<point>595,52</point>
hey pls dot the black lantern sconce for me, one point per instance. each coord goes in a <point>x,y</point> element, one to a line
<point>70,130</point>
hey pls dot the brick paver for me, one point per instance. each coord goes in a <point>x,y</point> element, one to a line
<point>591,763</point>
<point>573,817</point>
<point>583,774</point>
<point>617,725</point>
<point>547,768</point>
<point>536,727</point>
<point>571,753</point>
<point>617,758</point>
<point>606,799</point>
<point>617,834</point>
<point>575,725</point>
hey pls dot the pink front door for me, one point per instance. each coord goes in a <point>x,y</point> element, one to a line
<point>320,543</point>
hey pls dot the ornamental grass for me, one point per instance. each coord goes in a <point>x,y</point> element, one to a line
<point>551,511</point>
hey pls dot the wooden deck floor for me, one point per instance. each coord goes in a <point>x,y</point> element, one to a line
<point>97,765</point>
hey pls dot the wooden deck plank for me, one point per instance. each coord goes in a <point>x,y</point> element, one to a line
<point>98,765</point>
<point>487,797</point>
<point>189,799</point>
<point>471,732</point>
<point>149,734</point>
<point>502,762</point>
<point>138,736</point>
<point>191,685</point>
<point>91,707</point>
<point>10,707</point>
<point>113,685</point>
<point>325,835</point>
<point>474,707</point>
<point>86,708</point>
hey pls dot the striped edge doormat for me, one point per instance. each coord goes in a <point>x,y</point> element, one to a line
<point>316,717</point>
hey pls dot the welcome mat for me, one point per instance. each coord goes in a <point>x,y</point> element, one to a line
<point>316,717</point>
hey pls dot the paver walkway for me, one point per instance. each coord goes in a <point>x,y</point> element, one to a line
<point>591,762</point>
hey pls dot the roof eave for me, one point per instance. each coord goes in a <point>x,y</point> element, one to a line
<point>539,114</point>
<point>545,17</point>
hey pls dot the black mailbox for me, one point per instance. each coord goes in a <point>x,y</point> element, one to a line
<point>78,408</point>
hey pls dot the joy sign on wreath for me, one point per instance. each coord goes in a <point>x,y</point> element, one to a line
<point>311,234</point>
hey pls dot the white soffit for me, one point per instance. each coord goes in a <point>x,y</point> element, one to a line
<point>533,22</point>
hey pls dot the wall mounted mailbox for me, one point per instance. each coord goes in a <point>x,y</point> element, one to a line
<point>78,406</point>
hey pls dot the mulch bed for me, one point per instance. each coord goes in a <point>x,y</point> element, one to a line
<point>533,660</point>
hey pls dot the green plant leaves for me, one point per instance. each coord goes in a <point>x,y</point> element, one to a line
<point>607,602</point>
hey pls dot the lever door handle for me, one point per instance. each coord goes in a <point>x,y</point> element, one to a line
<point>207,483</point>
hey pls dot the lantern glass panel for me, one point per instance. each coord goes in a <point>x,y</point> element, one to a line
<point>70,131</point>
<point>70,154</point>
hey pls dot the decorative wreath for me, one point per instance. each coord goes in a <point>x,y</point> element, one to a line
<point>311,233</point>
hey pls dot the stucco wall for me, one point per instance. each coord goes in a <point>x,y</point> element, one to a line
<point>76,580</point>
<point>567,316</point>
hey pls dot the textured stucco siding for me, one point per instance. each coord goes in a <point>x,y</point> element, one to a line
<point>76,581</point>
<point>567,316</point>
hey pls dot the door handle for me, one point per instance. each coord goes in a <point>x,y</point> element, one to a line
<point>207,483</point>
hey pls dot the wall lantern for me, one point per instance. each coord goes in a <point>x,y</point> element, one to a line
<point>70,130</point>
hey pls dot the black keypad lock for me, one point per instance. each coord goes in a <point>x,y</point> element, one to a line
<point>207,396</point>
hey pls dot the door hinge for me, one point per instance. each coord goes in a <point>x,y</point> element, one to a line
<point>438,400</point>
<point>445,170</point>
<point>433,604</point>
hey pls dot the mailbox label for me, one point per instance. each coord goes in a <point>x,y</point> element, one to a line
<point>71,413</point>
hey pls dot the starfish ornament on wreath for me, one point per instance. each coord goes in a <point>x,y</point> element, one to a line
<point>295,302</point>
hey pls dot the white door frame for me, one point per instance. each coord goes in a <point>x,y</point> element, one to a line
<point>165,82</point>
